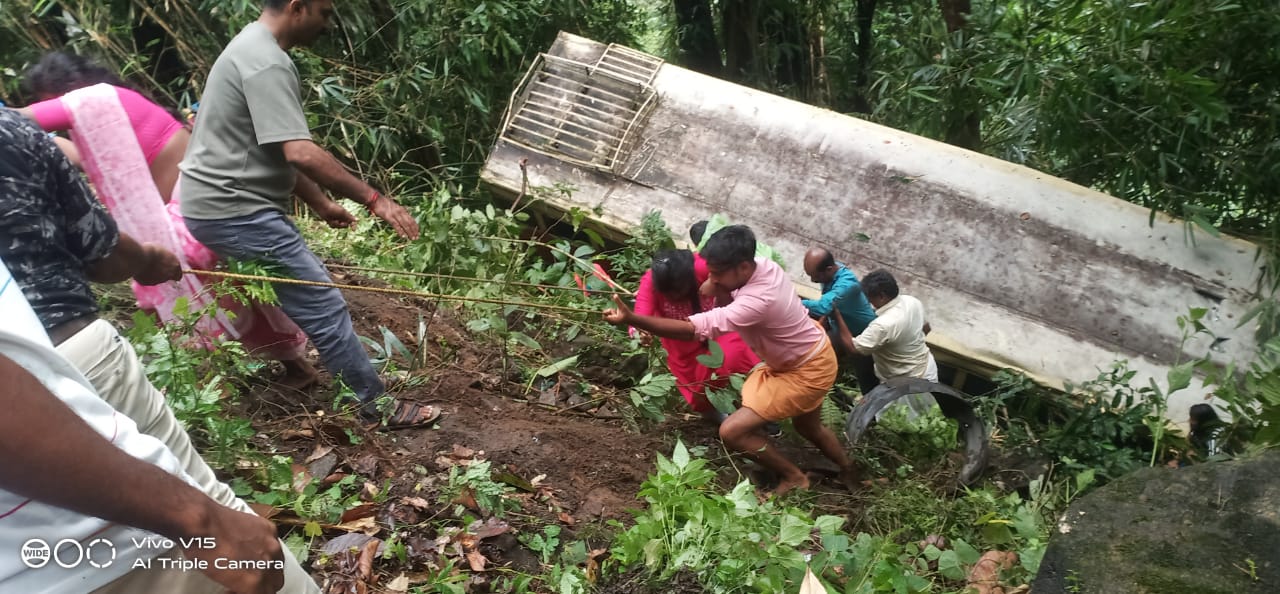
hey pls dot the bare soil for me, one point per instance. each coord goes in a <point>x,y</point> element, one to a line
<point>585,466</point>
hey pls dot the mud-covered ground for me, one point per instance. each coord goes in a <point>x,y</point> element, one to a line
<point>575,467</point>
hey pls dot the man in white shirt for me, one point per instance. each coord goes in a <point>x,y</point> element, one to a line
<point>87,502</point>
<point>895,338</point>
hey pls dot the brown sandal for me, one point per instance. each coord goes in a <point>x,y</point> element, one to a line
<point>408,415</point>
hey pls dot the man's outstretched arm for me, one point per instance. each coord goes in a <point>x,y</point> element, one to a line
<point>324,207</point>
<point>841,287</point>
<point>622,315</point>
<point>54,457</point>
<point>322,168</point>
<point>147,263</point>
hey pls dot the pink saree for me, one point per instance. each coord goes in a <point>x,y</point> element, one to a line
<point>115,163</point>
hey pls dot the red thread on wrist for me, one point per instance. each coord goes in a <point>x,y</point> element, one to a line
<point>372,200</point>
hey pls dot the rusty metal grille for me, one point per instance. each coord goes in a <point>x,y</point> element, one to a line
<point>585,114</point>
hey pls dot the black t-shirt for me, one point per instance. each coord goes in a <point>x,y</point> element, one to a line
<point>51,226</point>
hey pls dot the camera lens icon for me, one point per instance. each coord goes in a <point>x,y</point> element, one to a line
<point>36,553</point>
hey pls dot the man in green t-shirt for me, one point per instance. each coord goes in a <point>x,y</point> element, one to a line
<point>250,151</point>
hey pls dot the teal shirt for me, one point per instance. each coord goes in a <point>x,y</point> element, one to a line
<point>843,292</point>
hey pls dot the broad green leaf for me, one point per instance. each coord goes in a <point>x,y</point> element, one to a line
<point>722,399</point>
<point>680,456</point>
<point>558,366</point>
<point>828,524</point>
<point>967,554</point>
<point>793,531</point>
<point>949,565</point>
<point>997,533</point>
<point>1180,376</point>
<point>524,339</point>
<point>714,358</point>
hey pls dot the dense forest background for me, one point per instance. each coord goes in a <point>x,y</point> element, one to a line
<point>1172,104</point>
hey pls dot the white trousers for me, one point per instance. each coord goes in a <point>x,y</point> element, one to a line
<point>109,362</point>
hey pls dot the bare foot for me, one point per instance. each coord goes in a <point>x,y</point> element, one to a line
<point>788,484</point>
<point>299,375</point>
<point>849,478</point>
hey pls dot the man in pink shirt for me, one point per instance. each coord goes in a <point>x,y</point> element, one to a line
<point>756,299</point>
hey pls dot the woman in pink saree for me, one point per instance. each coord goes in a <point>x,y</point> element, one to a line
<point>130,148</point>
<point>669,289</point>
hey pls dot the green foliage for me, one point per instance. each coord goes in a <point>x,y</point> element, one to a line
<point>1251,392</point>
<point>723,398</point>
<point>199,381</point>
<point>248,292</point>
<point>286,487</point>
<point>651,237</point>
<point>1106,424</point>
<point>652,395</point>
<point>392,354</point>
<point>545,543</point>
<point>734,543</point>
<point>476,481</point>
<point>1162,103</point>
<point>454,61</point>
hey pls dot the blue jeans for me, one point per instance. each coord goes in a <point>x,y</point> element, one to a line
<point>269,236</point>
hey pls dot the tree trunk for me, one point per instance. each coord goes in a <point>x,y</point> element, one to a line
<point>955,13</point>
<point>696,37</point>
<point>741,20</point>
<point>865,16</point>
<point>964,123</point>
<point>787,31</point>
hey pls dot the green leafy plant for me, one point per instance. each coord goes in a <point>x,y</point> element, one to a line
<point>476,481</point>
<point>735,543</point>
<point>281,485</point>
<point>200,381</point>
<point>543,543</point>
<point>652,394</point>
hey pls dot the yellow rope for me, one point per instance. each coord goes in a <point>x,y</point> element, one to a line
<point>405,292</point>
<point>466,278</point>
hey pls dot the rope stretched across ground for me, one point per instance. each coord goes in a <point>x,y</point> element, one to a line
<point>405,292</point>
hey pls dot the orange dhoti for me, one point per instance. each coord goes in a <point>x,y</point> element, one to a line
<point>777,395</point>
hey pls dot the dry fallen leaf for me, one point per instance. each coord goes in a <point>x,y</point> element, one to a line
<point>400,584</point>
<point>370,491</point>
<point>366,525</point>
<point>462,452</point>
<point>416,502</point>
<point>476,560</point>
<point>365,567</point>
<point>467,499</point>
<point>301,478</point>
<point>318,453</point>
<point>489,528</point>
<point>984,578</point>
<point>292,434</point>
<point>566,519</point>
<point>811,585</point>
<point>349,541</point>
<point>593,564</point>
<point>366,465</point>
<point>363,510</point>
